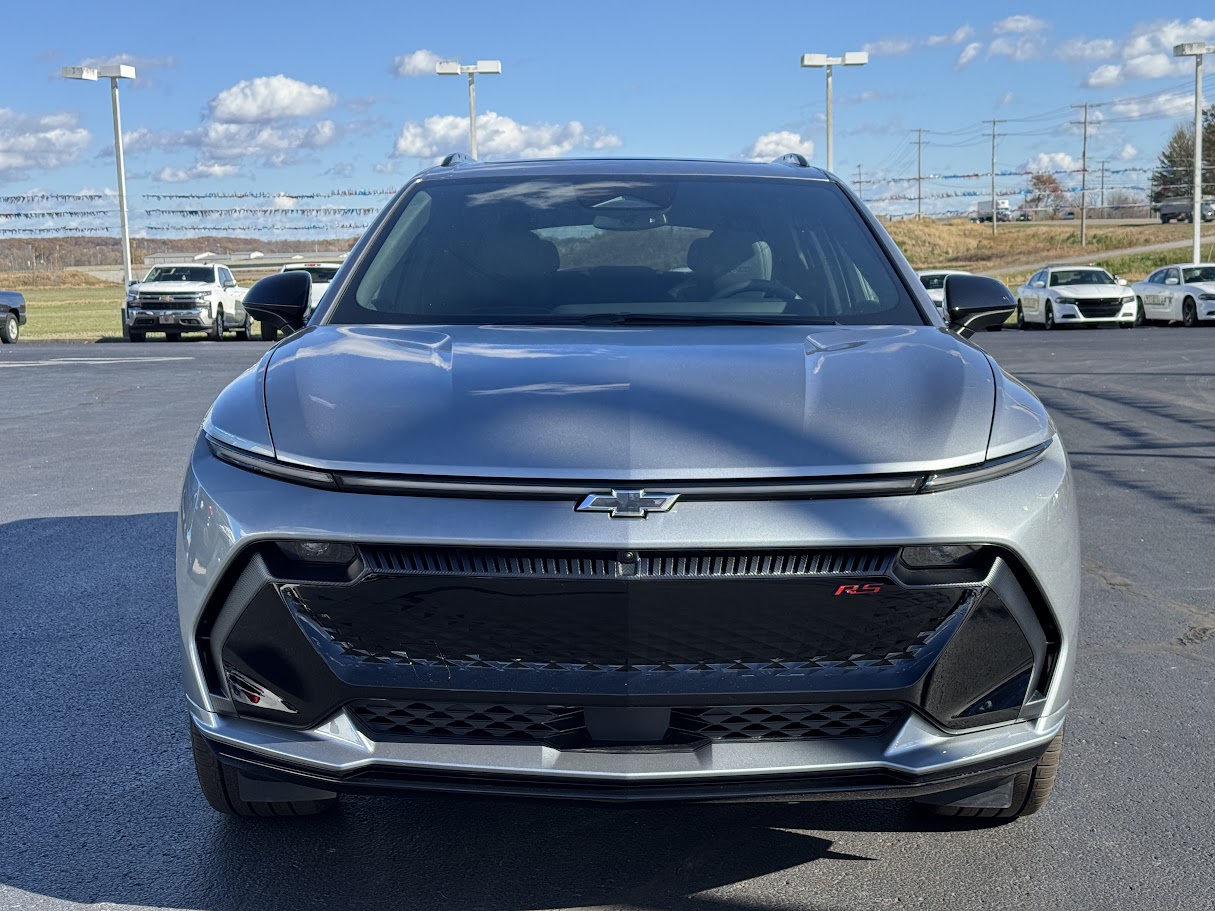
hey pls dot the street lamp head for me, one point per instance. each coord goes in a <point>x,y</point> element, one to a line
<point>447,68</point>
<point>856,58</point>
<point>1192,49</point>
<point>815,60</point>
<point>79,72</point>
<point>489,68</point>
<point>117,71</point>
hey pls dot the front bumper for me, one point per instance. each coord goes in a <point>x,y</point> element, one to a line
<point>229,516</point>
<point>196,319</point>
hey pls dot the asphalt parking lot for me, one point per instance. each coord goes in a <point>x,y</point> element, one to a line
<point>98,802</point>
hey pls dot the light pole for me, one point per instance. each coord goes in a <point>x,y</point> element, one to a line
<point>1196,50</point>
<point>114,73</point>
<point>485,68</point>
<point>851,58</point>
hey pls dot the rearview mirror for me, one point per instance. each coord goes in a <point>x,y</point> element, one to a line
<point>975,302</point>
<point>280,300</point>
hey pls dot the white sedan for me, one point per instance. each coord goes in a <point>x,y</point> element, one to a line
<point>1058,295</point>
<point>933,281</point>
<point>1184,292</point>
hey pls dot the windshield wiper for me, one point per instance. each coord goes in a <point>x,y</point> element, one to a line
<point>643,319</point>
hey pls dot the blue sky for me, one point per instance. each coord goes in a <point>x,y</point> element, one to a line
<point>312,97</point>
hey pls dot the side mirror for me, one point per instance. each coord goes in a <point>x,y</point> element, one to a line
<point>281,300</point>
<point>1171,281</point>
<point>976,302</point>
<point>132,283</point>
<point>1122,281</point>
<point>1039,284</point>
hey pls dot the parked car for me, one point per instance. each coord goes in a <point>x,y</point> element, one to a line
<point>1183,292</point>
<point>322,274</point>
<point>1080,295</point>
<point>933,281</point>
<point>628,480</point>
<point>12,316</point>
<point>1181,208</point>
<point>175,298</point>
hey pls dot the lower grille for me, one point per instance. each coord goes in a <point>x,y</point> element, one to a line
<point>1099,308</point>
<point>565,726</point>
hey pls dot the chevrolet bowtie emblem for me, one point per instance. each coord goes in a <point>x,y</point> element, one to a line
<point>628,504</point>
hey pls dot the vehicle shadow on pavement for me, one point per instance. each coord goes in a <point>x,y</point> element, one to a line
<point>98,801</point>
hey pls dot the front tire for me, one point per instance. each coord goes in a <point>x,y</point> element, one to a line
<point>1031,789</point>
<point>1140,319</point>
<point>217,331</point>
<point>1020,317</point>
<point>1189,313</point>
<point>245,332</point>
<point>220,784</point>
<point>1049,322</point>
<point>10,329</point>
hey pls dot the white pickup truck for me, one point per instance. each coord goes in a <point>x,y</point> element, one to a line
<point>175,298</point>
<point>322,274</point>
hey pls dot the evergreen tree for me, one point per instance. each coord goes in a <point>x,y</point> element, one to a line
<point>1174,174</point>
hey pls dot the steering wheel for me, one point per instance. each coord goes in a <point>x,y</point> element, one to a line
<point>768,286</point>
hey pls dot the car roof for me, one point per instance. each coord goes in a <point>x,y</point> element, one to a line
<point>623,167</point>
<point>923,272</point>
<point>1185,266</point>
<point>310,266</point>
<point>183,265</point>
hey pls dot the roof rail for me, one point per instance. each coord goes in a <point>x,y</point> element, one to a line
<point>455,158</point>
<point>793,160</point>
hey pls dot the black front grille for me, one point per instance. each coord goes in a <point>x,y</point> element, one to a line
<point>786,722</point>
<point>1090,309</point>
<point>649,625</point>
<point>487,562</point>
<point>564,726</point>
<point>470,722</point>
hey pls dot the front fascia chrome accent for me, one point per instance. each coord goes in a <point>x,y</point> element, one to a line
<point>987,471</point>
<point>603,497</point>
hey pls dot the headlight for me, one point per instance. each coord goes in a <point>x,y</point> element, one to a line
<point>1129,300</point>
<point>270,467</point>
<point>1206,297</point>
<point>1060,299</point>
<point>986,471</point>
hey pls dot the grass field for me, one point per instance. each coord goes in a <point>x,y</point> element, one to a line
<point>73,313</point>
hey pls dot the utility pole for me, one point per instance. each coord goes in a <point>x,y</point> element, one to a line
<point>859,183</point>
<point>1103,188</point>
<point>993,174</point>
<point>919,173</point>
<point>1083,175</point>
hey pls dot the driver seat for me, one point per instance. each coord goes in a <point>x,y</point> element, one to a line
<point>724,259</point>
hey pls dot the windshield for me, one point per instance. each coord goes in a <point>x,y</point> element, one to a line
<point>613,250</point>
<point>1081,277</point>
<point>181,274</point>
<point>1199,274</point>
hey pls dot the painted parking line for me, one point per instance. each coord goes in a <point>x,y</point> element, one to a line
<point>90,361</point>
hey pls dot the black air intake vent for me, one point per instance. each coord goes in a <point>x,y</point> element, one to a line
<point>445,561</point>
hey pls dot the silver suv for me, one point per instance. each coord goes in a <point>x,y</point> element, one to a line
<point>628,480</point>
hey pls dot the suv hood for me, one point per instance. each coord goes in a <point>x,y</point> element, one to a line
<point>174,287</point>
<point>671,403</point>
<point>1091,292</point>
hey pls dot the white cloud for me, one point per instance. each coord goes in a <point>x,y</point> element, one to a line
<point>969,53</point>
<point>1147,52</point>
<point>1019,25</point>
<point>275,145</point>
<point>1006,99</point>
<point>138,61</point>
<point>1052,161</point>
<point>1018,48</point>
<point>889,47</point>
<point>957,36</point>
<point>777,143</point>
<point>270,98</point>
<point>283,201</point>
<point>419,63</point>
<point>1105,75</point>
<point>182,175</point>
<point>1080,49</point>
<point>33,143</point>
<point>498,136</point>
<point>1166,104</point>
<point>1128,153</point>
